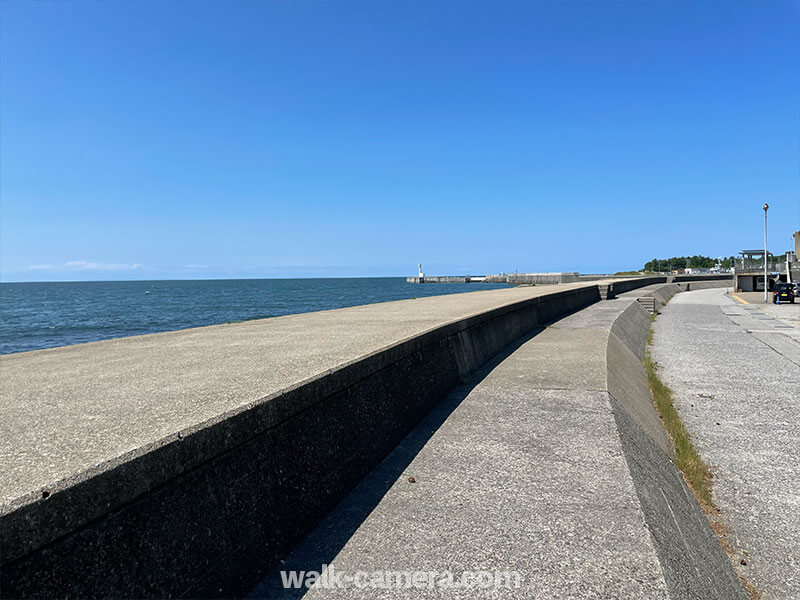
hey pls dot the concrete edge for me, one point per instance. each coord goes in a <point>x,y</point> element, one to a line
<point>692,558</point>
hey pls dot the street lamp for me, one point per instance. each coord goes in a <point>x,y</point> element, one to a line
<point>766,285</point>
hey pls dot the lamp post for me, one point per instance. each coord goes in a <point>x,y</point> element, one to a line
<point>766,285</point>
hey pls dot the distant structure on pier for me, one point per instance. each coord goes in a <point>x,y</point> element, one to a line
<point>515,279</point>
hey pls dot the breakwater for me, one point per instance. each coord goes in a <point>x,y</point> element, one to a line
<point>509,278</point>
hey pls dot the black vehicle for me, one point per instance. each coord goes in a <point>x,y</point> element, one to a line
<point>784,292</point>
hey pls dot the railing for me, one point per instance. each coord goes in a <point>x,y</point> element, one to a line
<point>773,264</point>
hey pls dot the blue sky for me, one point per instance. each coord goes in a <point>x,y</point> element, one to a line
<point>261,139</point>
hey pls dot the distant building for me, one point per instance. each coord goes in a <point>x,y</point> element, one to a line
<point>749,272</point>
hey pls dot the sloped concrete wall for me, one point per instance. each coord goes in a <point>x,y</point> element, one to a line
<point>693,561</point>
<point>661,292</point>
<point>627,379</point>
<point>665,292</point>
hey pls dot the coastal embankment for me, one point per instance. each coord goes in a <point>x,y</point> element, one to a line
<point>188,463</point>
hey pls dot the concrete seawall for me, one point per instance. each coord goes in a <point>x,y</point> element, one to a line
<point>707,277</point>
<point>187,463</point>
<point>705,285</point>
<point>513,278</point>
<point>256,473</point>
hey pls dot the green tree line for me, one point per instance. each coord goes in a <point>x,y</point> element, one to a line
<point>682,262</point>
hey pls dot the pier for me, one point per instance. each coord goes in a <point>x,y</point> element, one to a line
<point>514,278</point>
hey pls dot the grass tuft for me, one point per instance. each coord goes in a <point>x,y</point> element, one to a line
<point>696,472</point>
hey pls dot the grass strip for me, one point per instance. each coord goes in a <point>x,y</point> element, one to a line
<point>696,472</point>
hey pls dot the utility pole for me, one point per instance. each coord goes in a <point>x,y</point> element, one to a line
<point>766,280</point>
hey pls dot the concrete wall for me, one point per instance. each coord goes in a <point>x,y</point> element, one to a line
<point>541,278</point>
<point>212,528</point>
<point>694,282</point>
<point>439,279</point>
<point>610,288</point>
<point>513,279</point>
<point>704,285</point>
<point>705,277</point>
<point>626,285</point>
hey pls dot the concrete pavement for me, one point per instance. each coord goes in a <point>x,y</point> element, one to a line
<point>787,314</point>
<point>735,371</point>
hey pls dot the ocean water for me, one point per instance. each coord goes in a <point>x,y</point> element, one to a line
<point>44,315</point>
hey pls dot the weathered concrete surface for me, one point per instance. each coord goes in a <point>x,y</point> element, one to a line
<point>534,467</point>
<point>735,372</point>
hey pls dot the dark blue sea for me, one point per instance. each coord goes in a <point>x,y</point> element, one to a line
<point>44,315</point>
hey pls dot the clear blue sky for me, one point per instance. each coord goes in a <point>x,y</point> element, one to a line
<point>263,138</point>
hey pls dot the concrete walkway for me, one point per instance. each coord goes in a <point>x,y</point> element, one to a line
<point>735,370</point>
<point>787,314</point>
<point>523,470</point>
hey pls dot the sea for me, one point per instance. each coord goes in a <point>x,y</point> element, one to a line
<point>44,315</point>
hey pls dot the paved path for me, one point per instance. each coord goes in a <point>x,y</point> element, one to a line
<point>735,370</point>
<point>788,314</point>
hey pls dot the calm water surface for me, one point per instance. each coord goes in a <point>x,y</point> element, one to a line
<point>43,315</point>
